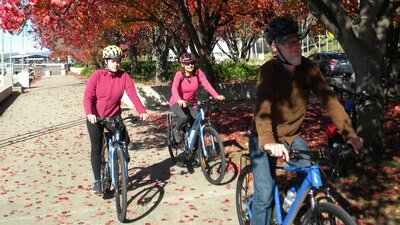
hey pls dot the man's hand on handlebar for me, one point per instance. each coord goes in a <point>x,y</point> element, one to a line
<point>357,143</point>
<point>277,150</point>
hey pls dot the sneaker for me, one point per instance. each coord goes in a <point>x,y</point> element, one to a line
<point>128,157</point>
<point>96,188</point>
<point>177,136</point>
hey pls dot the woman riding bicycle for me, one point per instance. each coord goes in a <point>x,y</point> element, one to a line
<point>184,88</point>
<point>102,98</point>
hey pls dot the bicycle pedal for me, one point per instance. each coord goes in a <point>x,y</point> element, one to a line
<point>196,163</point>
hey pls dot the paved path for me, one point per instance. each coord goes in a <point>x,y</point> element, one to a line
<point>45,173</point>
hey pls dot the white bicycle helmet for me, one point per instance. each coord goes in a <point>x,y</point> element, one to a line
<point>112,52</point>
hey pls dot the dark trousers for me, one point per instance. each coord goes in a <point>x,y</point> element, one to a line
<point>184,115</point>
<point>96,141</point>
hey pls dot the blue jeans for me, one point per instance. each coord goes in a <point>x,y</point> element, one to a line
<point>263,168</point>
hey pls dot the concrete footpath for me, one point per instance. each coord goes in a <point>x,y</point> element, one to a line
<point>46,177</point>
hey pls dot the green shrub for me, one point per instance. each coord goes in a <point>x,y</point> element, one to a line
<point>226,71</point>
<point>235,71</point>
<point>147,70</point>
<point>126,65</point>
<point>79,65</point>
<point>87,71</point>
<point>172,68</point>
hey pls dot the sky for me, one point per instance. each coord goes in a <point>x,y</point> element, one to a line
<point>21,44</point>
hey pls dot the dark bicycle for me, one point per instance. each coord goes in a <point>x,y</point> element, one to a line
<point>352,102</point>
<point>300,212</point>
<point>114,161</point>
<point>201,144</point>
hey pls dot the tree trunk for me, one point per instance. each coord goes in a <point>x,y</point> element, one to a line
<point>204,63</point>
<point>132,55</point>
<point>161,65</point>
<point>370,116</point>
<point>392,63</point>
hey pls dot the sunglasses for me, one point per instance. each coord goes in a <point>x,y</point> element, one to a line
<point>290,44</point>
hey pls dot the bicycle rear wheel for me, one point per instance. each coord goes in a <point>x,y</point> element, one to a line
<point>212,157</point>
<point>174,150</point>
<point>327,213</point>
<point>121,180</point>
<point>244,196</point>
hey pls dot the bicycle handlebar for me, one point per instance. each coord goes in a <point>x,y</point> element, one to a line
<point>339,151</point>
<point>357,97</point>
<point>103,120</point>
<point>202,103</point>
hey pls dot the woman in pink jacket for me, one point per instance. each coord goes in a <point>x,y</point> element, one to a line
<point>184,88</point>
<point>102,98</point>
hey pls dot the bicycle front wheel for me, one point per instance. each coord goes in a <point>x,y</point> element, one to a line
<point>121,180</point>
<point>327,213</point>
<point>104,168</point>
<point>244,196</point>
<point>212,156</point>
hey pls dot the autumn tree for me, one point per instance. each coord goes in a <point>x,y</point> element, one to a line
<point>363,28</point>
<point>201,20</point>
<point>60,25</point>
<point>239,36</point>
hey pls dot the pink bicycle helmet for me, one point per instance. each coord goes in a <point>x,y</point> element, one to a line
<point>187,58</point>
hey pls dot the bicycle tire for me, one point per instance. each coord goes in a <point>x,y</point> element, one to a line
<point>244,194</point>
<point>104,169</point>
<point>175,152</point>
<point>214,163</point>
<point>121,183</point>
<point>327,213</point>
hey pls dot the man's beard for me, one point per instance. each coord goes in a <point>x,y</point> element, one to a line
<point>295,61</point>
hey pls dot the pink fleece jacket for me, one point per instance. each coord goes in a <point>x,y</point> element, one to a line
<point>185,88</point>
<point>104,91</point>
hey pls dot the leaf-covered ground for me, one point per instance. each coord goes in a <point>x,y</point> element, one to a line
<point>369,192</point>
<point>372,191</point>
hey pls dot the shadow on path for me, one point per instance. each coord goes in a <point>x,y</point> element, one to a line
<point>8,101</point>
<point>147,187</point>
<point>41,132</point>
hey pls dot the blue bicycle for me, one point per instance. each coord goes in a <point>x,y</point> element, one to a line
<point>201,144</point>
<point>114,162</point>
<point>300,212</point>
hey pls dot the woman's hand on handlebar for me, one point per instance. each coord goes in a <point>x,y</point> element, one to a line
<point>182,103</point>
<point>220,98</point>
<point>91,118</point>
<point>144,116</point>
<point>277,150</point>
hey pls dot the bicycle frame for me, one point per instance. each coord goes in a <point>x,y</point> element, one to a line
<point>312,180</point>
<point>198,126</point>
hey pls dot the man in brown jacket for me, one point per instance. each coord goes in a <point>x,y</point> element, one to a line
<point>283,90</point>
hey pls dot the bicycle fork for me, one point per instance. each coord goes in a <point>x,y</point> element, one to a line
<point>203,144</point>
<point>113,164</point>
